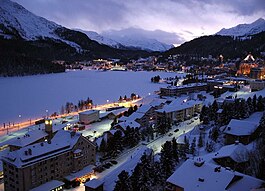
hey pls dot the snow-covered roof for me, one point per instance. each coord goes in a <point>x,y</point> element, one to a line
<point>131,124</point>
<point>34,135</point>
<point>208,176</point>
<point>61,142</point>
<point>89,112</point>
<point>144,109</point>
<point>118,111</point>
<point>178,107</point>
<point>94,183</point>
<point>135,116</point>
<point>240,127</point>
<point>157,102</point>
<point>86,170</point>
<point>237,152</point>
<point>29,138</point>
<point>186,86</point>
<point>48,185</point>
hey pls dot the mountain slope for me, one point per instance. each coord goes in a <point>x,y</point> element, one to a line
<point>30,38</point>
<point>127,40</point>
<point>244,30</point>
<point>215,45</point>
<point>138,38</point>
<point>101,39</point>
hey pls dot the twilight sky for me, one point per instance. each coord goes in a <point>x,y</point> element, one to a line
<point>174,21</point>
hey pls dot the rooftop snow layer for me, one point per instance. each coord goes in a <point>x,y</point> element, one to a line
<point>94,183</point>
<point>240,127</point>
<point>237,152</point>
<point>62,141</point>
<point>211,177</point>
<point>48,185</point>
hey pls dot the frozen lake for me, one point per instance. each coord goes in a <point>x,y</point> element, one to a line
<point>31,96</point>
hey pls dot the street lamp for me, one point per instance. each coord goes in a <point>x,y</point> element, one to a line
<point>47,113</point>
<point>19,116</point>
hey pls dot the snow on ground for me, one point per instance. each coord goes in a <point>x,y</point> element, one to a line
<point>97,129</point>
<point>31,96</point>
<point>244,93</point>
<point>129,165</point>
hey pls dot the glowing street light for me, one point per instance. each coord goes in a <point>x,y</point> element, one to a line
<point>47,113</point>
<point>19,116</point>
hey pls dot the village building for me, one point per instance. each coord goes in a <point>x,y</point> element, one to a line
<point>36,164</point>
<point>89,116</point>
<point>256,85</point>
<point>235,156</point>
<point>240,130</point>
<point>199,175</point>
<point>94,185</point>
<point>179,110</point>
<point>185,89</point>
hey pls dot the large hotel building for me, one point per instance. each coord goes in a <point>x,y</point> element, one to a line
<point>31,166</point>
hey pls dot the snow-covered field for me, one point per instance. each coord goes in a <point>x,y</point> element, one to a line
<point>31,96</point>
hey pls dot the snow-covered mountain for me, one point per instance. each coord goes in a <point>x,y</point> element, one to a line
<point>244,30</point>
<point>17,20</point>
<point>127,39</point>
<point>138,38</point>
<point>28,25</point>
<point>101,39</point>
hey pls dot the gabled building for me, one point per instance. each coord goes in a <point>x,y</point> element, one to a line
<point>200,176</point>
<point>240,130</point>
<point>123,125</point>
<point>235,156</point>
<point>36,164</point>
<point>180,110</point>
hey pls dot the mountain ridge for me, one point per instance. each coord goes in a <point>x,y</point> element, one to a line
<point>244,30</point>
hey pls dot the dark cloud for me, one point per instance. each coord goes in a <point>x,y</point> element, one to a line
<point>162,36</point>
<point>179,18</point>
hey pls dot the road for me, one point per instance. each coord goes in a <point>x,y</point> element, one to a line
<point>30,123</point>
<point>156,145</point>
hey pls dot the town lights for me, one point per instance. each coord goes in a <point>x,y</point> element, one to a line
<point>48,122</point>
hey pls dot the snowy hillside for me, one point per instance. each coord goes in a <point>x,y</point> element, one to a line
<point>137,38</point>
<point>100,39</point>
<point>143,43</point>
<point>28,25</point>
<point>244,30</point>
<point>127,41</point>
<point>20,21</point>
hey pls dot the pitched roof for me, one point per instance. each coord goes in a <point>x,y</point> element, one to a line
<point>178,106</point>
<point>240,127</point>
<point>208,176</point>
<point>125,124</point>
<point>61,142</point>
<point>237,152</point>
<point>94,183</point>
<point>144,109</point>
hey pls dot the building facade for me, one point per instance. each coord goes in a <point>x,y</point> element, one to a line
<point>185,89</point>
<point>88,117</point>
<point>39,163</point>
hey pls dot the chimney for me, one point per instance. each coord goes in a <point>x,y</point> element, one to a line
<point>199,162</point>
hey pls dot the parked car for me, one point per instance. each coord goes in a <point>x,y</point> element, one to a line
<point>170,134</point>
<point>114,162</point>
<point>176,130</point>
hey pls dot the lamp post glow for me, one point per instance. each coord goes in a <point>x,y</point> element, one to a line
<point>47,113</point>
<point>19,120</point>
